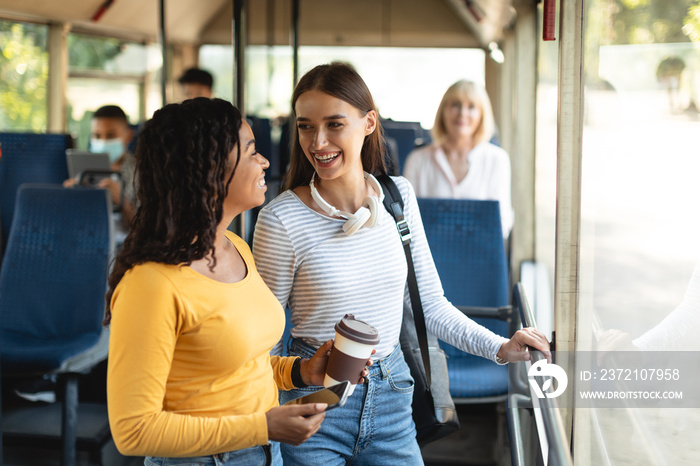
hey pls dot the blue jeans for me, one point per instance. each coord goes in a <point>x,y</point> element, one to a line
<point>375,427</point>
<point>268,455</point>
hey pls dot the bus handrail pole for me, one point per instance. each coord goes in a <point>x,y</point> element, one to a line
<point>295,41</point>
<point>164,53</point>
<point>517,450</point>
<point>559,454</point>
<point>239,39</point>
<point>523,305</point>
<point>239,44</point>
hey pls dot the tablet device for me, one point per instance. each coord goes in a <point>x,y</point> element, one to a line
<point>334,396</point>
<point>82,160</point>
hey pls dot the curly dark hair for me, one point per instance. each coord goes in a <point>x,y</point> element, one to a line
<point>182,178</point>
<point>340,80</point>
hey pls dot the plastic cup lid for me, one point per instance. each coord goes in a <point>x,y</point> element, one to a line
<point>357,330</point>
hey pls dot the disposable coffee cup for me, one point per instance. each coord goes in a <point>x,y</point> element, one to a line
<point>354,342</point>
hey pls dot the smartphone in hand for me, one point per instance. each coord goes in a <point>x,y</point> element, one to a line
<point>334,396</point>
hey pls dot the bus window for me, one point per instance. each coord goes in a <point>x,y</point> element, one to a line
<point>24,72</point>
<point>640,197</point>
<point>106,71</point>
<point>640,193</point>
<point>392,74</point>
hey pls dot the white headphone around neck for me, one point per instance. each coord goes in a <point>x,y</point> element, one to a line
<point>367,215</point>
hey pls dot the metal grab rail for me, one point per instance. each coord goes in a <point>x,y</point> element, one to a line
<point>547,417</point>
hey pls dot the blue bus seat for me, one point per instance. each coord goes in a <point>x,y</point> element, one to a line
<point>284,147</point>
<point>467,246</point>
<point>136,129</point>
<point>262,131</point>
<point>52,286</point>
<point>391,157</point>
<point>406,134</point>
<point>28,158</point>
<point>287,331</point>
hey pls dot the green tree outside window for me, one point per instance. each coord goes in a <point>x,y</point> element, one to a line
<point>24,72</point>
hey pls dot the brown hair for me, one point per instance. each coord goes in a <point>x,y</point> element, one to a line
<point>342,81</point>
<point>465,90</point>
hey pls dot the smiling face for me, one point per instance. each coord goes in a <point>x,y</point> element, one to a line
<point>247,188</point>
<point>461,118</point>
<point>331,133</point>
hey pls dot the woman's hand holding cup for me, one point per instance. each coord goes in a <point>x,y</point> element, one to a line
<point>313,371</point>
<point>354,341</point>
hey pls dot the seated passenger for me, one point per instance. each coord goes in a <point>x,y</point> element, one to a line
<point>461,163</point>
<point>196,82</point>
<point>192,323</point>
<point>110,132</point>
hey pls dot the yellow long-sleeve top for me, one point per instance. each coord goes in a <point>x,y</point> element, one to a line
<point>189,369</point>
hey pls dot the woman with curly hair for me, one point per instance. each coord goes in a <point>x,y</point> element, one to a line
<point>190,377</point>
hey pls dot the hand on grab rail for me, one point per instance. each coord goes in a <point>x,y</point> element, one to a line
<point>515,349</point>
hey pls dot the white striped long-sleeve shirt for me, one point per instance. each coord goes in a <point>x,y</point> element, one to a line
<point>321,273</point>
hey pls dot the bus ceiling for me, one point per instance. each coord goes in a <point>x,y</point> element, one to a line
<point>388,23</point>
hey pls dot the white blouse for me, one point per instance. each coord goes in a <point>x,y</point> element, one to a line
<point>488,178</point>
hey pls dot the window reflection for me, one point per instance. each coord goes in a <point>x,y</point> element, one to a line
<point>639,203</point>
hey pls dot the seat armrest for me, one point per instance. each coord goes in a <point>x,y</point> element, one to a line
<point>501,313</point>
<point>504,313</point>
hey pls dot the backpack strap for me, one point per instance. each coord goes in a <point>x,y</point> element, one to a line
<point>394,204</point>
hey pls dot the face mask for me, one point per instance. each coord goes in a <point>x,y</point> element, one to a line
<point>113,147</point>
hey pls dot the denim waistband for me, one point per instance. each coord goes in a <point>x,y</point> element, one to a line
<point>231,457</point>
<point>224,457</point>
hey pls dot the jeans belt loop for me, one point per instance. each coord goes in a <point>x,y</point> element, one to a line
<point>268,454</point>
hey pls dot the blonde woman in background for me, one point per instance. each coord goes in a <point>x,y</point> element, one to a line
<point>461,163</point>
